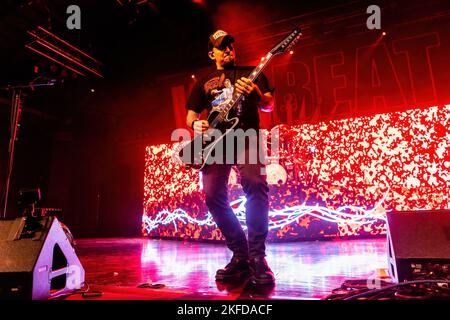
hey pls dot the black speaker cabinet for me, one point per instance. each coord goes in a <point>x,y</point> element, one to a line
<point>37,260</point>
<point>418,244</point>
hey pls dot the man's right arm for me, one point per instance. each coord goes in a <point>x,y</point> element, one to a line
<point>194,105</point>
<point>199,126</point>
<point>191,117</point>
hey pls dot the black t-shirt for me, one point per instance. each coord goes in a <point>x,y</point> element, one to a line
<point>217,88</point>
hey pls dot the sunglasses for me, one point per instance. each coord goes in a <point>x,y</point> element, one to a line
<point>222,47</point>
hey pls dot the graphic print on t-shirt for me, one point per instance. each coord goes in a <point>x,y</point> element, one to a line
<point>221,92</point>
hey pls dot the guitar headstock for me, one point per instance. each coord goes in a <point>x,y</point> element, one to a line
<point>287,43</point>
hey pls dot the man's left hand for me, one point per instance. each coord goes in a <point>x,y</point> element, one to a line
<point>246,87</point>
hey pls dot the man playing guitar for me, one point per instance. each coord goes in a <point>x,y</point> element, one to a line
<point>209,93</point>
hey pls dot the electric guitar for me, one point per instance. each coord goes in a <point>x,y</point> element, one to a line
<point>196,153</point>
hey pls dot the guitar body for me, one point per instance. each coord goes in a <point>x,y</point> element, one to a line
<point>198,151</point>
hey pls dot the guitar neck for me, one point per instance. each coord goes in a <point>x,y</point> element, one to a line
<point>257,71</point>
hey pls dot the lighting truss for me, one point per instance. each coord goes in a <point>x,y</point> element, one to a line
<point>61,52</point>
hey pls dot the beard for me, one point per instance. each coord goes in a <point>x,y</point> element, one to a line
<point>228,62</point>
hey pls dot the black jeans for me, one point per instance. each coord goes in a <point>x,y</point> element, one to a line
<point>254,184</point>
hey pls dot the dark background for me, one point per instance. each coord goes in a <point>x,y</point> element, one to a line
<point>85,149</point>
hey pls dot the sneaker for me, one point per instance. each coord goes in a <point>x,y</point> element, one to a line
<point>238,268</point>
<point>261,273</point>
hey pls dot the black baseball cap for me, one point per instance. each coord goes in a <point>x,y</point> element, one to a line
<point>217,39</point>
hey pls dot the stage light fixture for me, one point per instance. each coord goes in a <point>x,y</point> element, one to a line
<point>61,52</point>
<point>28,197</point>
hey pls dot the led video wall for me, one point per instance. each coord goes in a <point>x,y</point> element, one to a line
<point>331,179</point>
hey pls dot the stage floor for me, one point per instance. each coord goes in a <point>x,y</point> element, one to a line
<point>303,270</point>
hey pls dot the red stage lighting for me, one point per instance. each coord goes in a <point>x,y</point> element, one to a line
<point>291,52</point>
<point>384,33</point>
